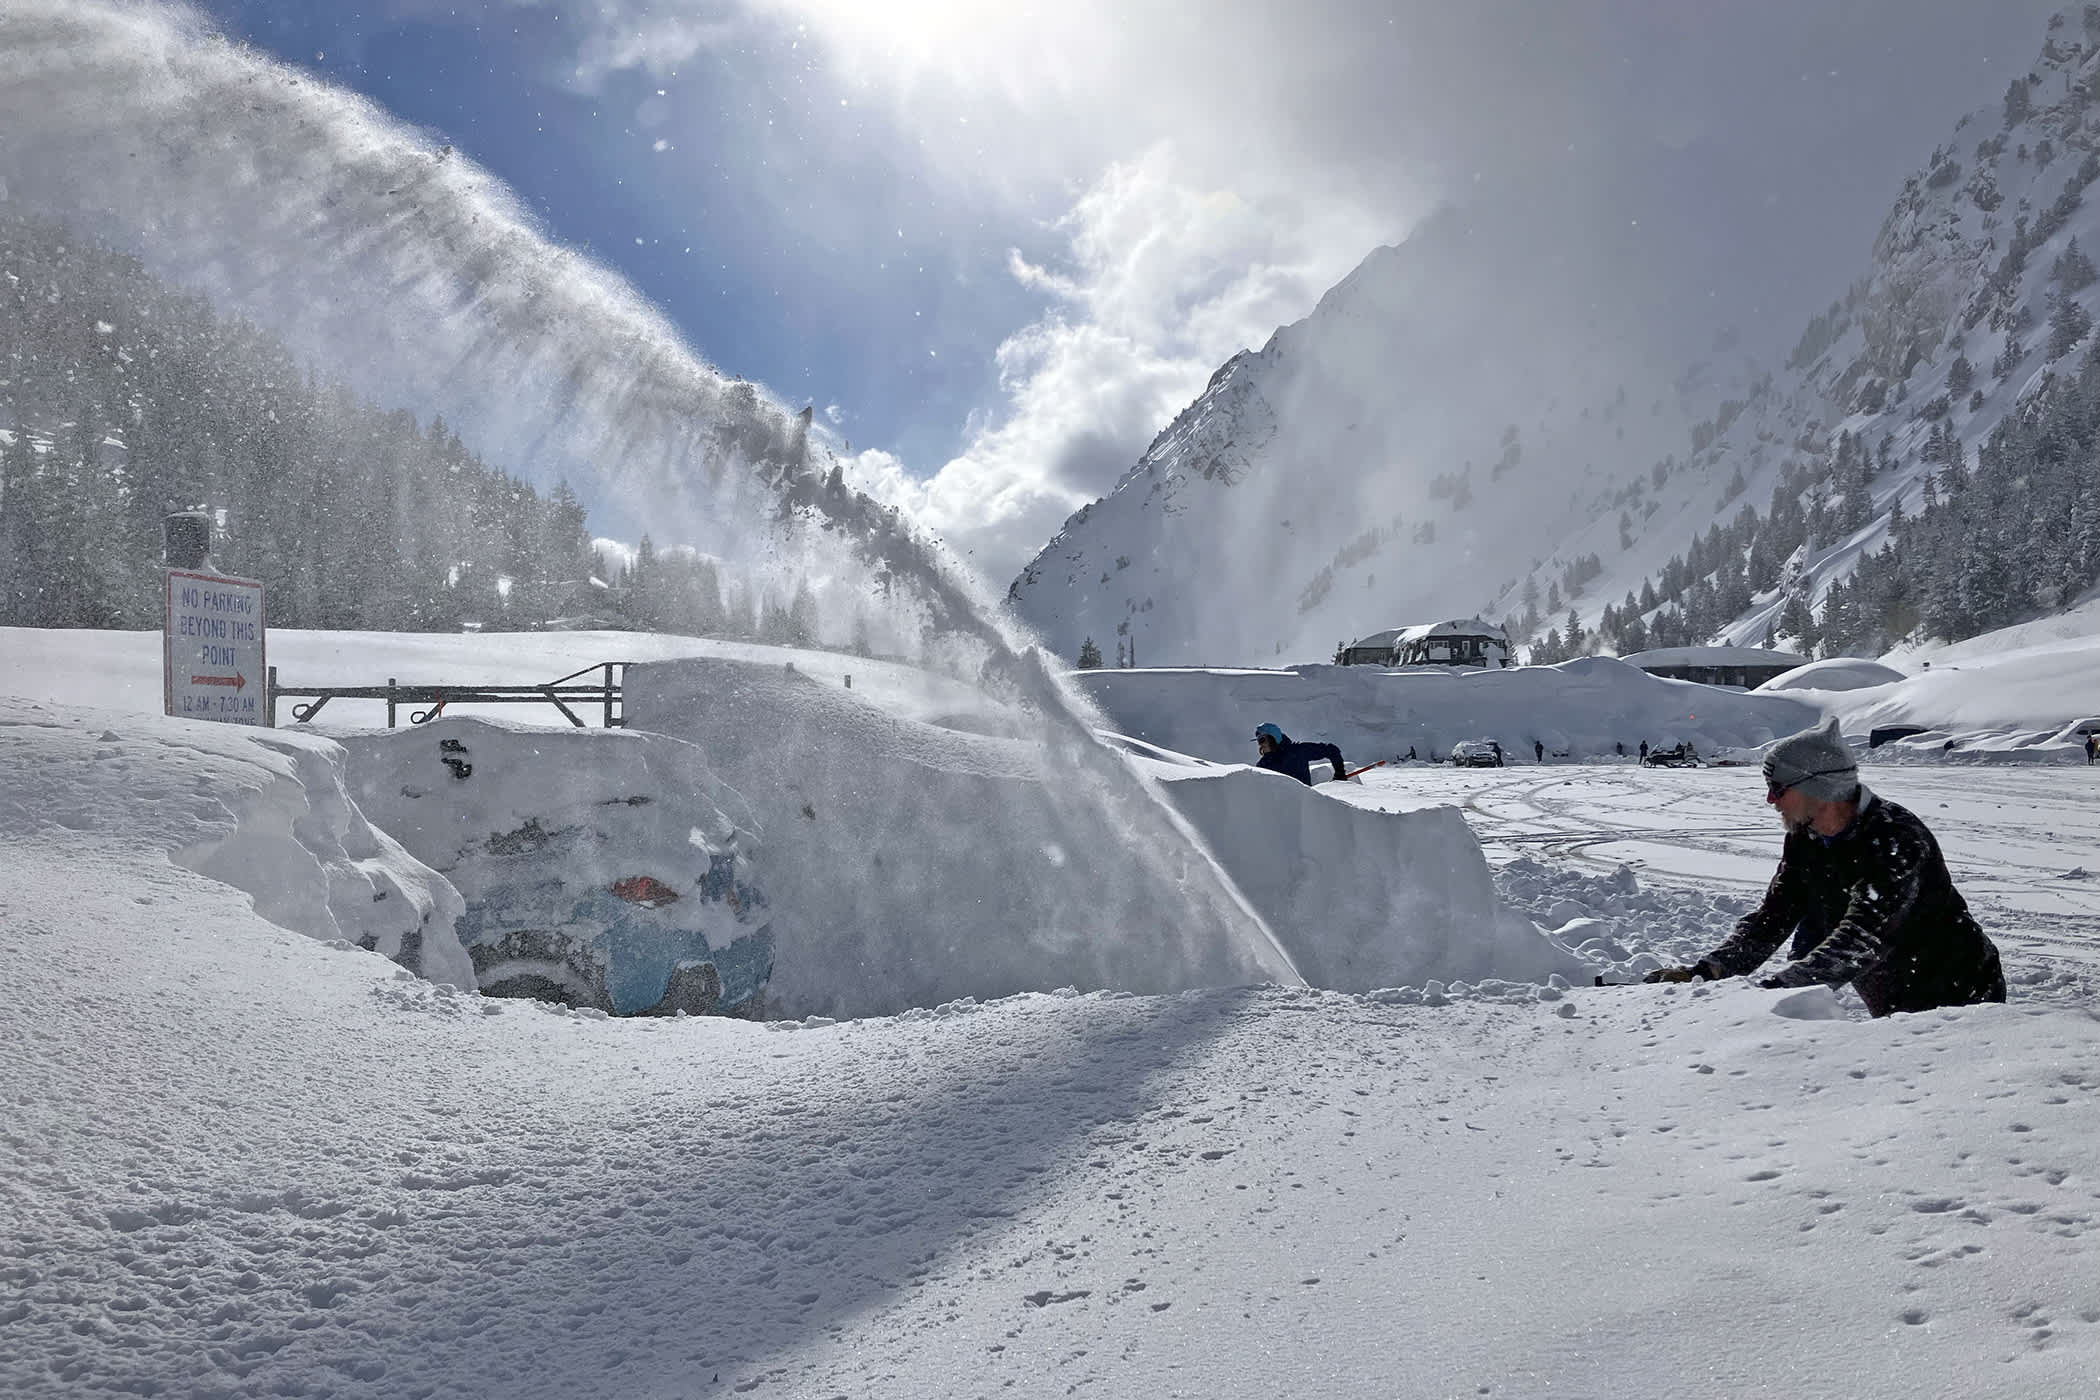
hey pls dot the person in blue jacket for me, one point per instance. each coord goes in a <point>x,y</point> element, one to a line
<point>1280,754</point>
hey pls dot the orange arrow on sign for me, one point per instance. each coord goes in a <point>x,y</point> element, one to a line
<point>238,681</point>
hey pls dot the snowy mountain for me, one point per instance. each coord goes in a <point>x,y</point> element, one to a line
<point>1396,453</point>
<point>1403,454</point>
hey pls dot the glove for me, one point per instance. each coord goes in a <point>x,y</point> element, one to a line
<point>1698,970</point>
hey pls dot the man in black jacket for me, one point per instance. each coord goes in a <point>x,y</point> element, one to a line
<point>1279,754</point>
<point>1862,888</point>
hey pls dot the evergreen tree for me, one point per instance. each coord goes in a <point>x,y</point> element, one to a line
<point>2068,325</point>
<point>1961,376</point>
<point>1090,655</point>
<point>2019,102</point>
<point>802,616</point>
<point>2072,272</point>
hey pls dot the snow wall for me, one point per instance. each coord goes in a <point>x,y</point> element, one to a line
<point>1580,709</point>
<point>1362,899</point>
<point>599,868</point>
<point>264,811</point>
<point>910,863</point>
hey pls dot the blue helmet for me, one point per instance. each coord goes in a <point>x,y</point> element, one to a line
<point>1269,732</point>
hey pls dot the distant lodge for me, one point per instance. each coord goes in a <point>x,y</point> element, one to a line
<point>1745,667</point>
<point>1466,642</point>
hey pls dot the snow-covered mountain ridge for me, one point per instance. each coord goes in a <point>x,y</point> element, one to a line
<point>1367,457</point>
<point>1363,468</point>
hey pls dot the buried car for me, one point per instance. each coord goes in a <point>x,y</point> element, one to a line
<point>1477,753</point>
<point>1680,756</point>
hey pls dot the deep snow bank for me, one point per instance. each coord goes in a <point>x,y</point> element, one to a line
<point>1585,708</point>
<point>600,868</point>
<point>911,864</point>
<point>1361,898</point>
<point>2018,705</point>
<point>1832,673</point>
<point>263,811</point>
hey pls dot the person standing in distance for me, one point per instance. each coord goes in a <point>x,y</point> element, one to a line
<point>1862,888</point>
<point>1280,754</point>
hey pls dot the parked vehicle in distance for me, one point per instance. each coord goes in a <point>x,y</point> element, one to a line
<point>1682,756</point>
<point>1477,753</point>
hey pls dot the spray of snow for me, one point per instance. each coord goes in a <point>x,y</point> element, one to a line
<point>313,211</point>
<point>911,862</point>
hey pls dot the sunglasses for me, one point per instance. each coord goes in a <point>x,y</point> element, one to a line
<point>1772,791</point>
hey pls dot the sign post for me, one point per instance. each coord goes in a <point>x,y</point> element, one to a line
<point>213,648</point>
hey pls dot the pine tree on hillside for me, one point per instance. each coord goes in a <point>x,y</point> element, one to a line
<point>2073,271</point>
<point>2068,324</point>
<point>1961,376</point>
<point>2019,102</point>
<point>1089,656</point>
<point>139,399</point>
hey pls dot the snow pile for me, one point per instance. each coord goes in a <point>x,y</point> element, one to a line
<point>2015,696</point>
<point>910,864</point>
<point>1833,673</point>
<point>1588,708</point>
<point>265,812</point>
<point>600,868</point>
<point>1361,898</point>
<point>1622,929</point>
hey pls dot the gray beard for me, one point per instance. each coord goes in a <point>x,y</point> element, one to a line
<point>1799,828</point>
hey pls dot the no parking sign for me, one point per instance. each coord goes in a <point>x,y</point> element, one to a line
<point>213,647</point>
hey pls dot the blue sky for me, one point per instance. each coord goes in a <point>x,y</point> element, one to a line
<point>998,247</point>
<point>717,192</point>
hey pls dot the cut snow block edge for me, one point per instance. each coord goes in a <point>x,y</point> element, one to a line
<point>1363,899</point>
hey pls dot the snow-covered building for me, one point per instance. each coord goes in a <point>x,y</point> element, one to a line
<point>1746,667</point>
<point>1463,642</point>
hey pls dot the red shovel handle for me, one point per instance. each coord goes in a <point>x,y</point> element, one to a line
<point>1365,769</point>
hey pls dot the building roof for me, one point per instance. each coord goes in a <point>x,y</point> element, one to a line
<point>1713,656</point>
<point>1461,627</point>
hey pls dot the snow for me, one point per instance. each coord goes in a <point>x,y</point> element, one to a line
<point>1361,897</point>
<point>1834,673</point>
<point>1713,656</point>
<point>909,862</point>
<point>265,813</point>
<point>242,1155</point>
<point>1588,708</point>
<point>540,830</point>
<point>2011,696</point>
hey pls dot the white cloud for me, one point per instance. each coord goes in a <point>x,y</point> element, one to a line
<point>1163,281</point>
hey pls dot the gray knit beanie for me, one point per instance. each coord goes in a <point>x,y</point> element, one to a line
<point>1816,762</point>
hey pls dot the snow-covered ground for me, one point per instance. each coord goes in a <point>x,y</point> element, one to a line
<point>241,1156</point>
<point>1594,707</point>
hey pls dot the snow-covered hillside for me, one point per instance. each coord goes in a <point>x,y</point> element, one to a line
<point>1347,477</point>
